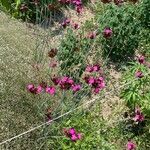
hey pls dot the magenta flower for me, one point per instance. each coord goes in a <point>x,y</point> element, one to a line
<point>72,131</point>
<point>89,69</point>
<point>91,80</point>
<point>75,26</point>
<point>79,136</point>
<point>96,68</point>
<point>79,9</point>
<point>74,137</point>
<point>107,33</point>
<point>139,74</point>
<point>35,90</point>
<point>72,134</point>
<point>130,145</point>
<point>39,89</point>
<point>51,90</point>
<point>93,68</point>
<point>65,23</point>
<point>31,88</point>
<point>139,117</point>
<point>141,59</point>
<point>76,87</point>
<point>97,83</point>
<point>66,83</point>
<point>92,35</point>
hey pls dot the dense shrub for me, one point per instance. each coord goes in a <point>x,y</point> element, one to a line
<point>123,23</point>
<point>145,13</point>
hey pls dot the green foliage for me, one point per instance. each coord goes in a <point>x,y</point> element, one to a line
<point>72,54</point>
<point>125,26</point>
<point>136,92</point>
<point>145,13</point>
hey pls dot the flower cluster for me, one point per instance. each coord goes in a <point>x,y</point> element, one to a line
<point>96,83</point>
<point>93,68</point>
<point>42,87</point>
<point>72,134</point>
<point>66,83</point>
<point>68,22</point>
<point>130,145</point>
<point>138,116</point>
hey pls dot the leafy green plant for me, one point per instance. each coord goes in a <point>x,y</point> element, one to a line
<point>125,29</point>
<point>72,54</point>
<point>136,92</point>
<point>145,13</point>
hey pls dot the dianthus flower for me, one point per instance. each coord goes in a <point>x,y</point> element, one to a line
<point>92,35</point>
<point>76,87</point>
<point>141,59</point>
<point>51,90</point>
<point>65,23</point>
<point>139,117</point>
<point>107,33</point>
<point>130,145</point>
<point>72,134</point>
<point>35,90</point>
<point>66,83</point>
<point>75,26</point>
<point>139,74</point>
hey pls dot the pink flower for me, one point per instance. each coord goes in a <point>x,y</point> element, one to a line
<point>35,90</point>
<point>66,83</point>
<point>74,137</point>
<point>139,74</point>
<point>96,90</point>
<point>39,89</point>
<point>30,87</point>
<point>72,134</point>
<point>65,23</point>
<point>76,87</point>
<point>141,59</point>
<point>130,146</point>
<point>72,131</point>
<point>79,136</point>
<point>96,68</point>
<point>89,69</point>
<point>51,90</point>
<point>75,26</point>
<point>139,117</point>
<point>107,32</point>
<point>92,35</point>
<point>91,80</point>
<point>79,9</point>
